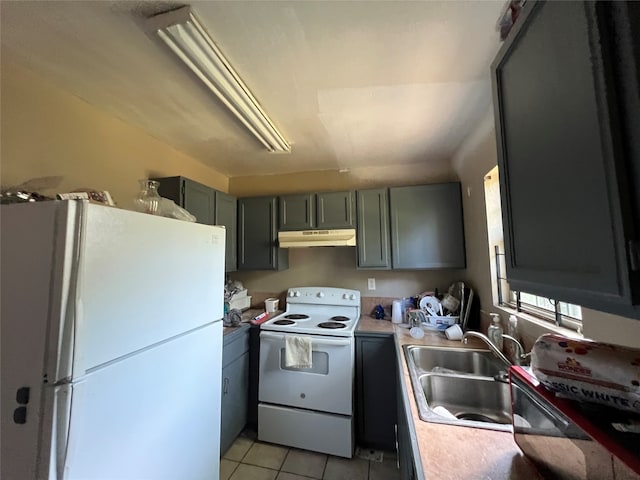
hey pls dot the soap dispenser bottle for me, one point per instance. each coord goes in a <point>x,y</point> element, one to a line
<point>495,331</point>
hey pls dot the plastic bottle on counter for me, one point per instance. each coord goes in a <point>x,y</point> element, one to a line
<point>495,331</point>
<point>396,311</point>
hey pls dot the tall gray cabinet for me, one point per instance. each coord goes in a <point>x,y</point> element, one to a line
<point>373,229</point>
<point>258,235</point>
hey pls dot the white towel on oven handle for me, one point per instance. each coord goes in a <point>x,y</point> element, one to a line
<point>297,351</point>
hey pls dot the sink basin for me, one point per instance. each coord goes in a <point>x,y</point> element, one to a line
<point>459,360</point>
<point>460,380</point>
<point>478,399</point>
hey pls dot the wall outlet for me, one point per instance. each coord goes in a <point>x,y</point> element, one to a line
<point>371,283</point>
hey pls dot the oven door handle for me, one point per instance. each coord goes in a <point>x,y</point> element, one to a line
<point>315,339</point>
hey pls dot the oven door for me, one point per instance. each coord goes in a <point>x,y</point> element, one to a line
<point>325,387</point>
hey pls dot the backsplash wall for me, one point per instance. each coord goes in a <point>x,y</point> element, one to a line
<point>336,267</point>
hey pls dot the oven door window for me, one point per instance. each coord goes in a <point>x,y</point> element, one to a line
<point>319,363</point>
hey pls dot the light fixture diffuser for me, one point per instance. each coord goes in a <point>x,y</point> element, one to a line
<point>187,38</point>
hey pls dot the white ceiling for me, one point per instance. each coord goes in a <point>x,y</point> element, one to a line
<point>349,83</point>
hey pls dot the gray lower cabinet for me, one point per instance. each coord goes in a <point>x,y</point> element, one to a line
<point>405,447</point>
<point>308,211</point>
<point>258,235</point>
<point>235,386</point>
<point>426,226</point>
<point>376,411</point>
<point>209,206</point>
<point>570,174</point>
<point>373,229</point>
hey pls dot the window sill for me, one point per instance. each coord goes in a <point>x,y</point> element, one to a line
<point>537,323</point>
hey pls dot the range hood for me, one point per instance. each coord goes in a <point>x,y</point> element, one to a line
<point>318,238</point>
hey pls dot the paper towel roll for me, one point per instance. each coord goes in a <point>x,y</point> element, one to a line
<point>396,311</point>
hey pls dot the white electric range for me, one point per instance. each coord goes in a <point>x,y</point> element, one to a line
<point>310,408</point>
<point>318,311</point>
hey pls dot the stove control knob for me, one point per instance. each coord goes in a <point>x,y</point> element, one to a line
<point>320,294</point>
<point>294,293</point>
<point>352,296</point>
<point>345,296</point>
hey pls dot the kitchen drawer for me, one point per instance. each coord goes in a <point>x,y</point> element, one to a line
<point>236,344</point>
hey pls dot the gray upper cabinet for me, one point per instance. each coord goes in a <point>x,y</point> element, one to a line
<point>199,200</point>
<point>226,213</point>
<point>308,211</point>
<point>258,235</point>
<point>569,153</point>
<point>297,212</point>
<point>336,210</point>
<point>426,227</point>
<point>373,229</point>
<point>209,206</point>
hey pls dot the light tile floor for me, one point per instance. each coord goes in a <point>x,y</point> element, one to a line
<point>248,459</point>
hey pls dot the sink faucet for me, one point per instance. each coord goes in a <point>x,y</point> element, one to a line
<point>496,351</point>
<point>521,356</point>
<point>520,353</point>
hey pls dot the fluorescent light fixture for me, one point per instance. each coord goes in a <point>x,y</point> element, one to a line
<point>187,38</point>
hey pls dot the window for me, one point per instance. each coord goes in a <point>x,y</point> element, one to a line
<point>563,314</point>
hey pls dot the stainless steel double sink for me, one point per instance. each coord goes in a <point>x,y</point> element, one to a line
<point>460,386</point>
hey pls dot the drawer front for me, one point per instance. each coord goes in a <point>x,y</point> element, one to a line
<point>235,348</point>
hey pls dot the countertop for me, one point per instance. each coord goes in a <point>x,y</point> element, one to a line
<point>449,452</point>
<point>247,316</point>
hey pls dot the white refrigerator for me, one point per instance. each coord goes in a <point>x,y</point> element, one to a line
<point>111,344</point>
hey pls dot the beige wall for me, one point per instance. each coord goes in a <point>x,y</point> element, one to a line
<point>336,267</point>
<point>327,180</point>
<point>472,162</point>
<point>46,132</point>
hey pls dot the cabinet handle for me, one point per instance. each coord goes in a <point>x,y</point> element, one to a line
<point>225,386</point>
<point>395,432</point>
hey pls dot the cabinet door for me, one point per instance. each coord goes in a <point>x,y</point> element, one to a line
<point>426,226</point>
<point>373,229</point>
<point>560,138</point>
<point>199,200</point>
<point>258,235</point>
<point>336,210</point>
<point>227,215</point>
<point>297,212</point>
<point>403,438</point>
<point>235,394</point>
<point>376,409</point>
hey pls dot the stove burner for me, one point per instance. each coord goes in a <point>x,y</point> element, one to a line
<point>340,318</point>
<point>284,322</point>
<point>296,316</point>
<point>331,325</point>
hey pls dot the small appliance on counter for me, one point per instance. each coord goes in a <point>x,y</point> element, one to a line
<point>567,439</point>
